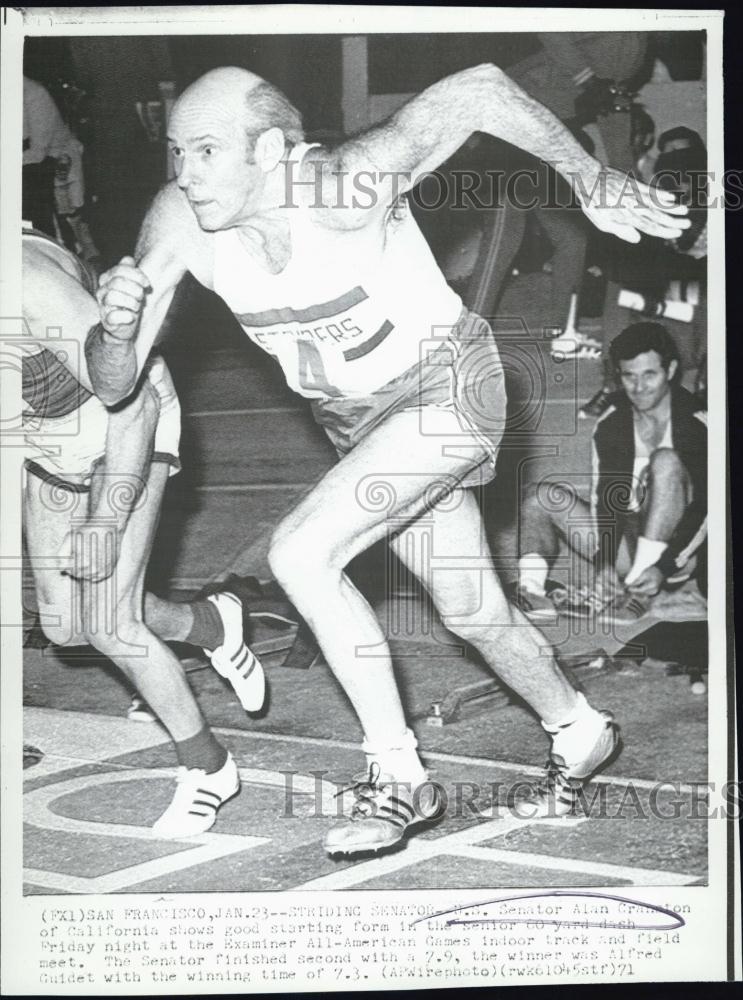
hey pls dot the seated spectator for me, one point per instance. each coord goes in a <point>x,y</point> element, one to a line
<point>646,519</point>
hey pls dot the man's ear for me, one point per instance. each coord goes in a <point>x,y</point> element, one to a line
<point>672,366</point>
<point>269,149</point>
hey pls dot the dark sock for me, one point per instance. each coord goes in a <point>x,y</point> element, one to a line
<point>202,751</point>
<point>207,629</point>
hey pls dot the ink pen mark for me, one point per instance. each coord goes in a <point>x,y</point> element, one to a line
<point>627,923</point>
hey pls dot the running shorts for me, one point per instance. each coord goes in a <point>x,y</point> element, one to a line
<point>460,372</point>
<point>58,447</point>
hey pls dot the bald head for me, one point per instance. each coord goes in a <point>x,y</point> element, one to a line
<point>245,99</point>
<point>227,85</point>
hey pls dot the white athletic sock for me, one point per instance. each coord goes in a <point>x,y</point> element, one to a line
<point>400,760</point>
<point>533,573</point>
<point>574,736</point>
<point>648,553</point>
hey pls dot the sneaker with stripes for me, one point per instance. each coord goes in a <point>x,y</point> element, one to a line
<point>196,801</point>
<point>575,345</point>
<point>383,812</point>
<point>628,609</point>
<point>233,660</point>
<point>557,794</point>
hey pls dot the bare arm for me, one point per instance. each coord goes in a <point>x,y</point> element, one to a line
<point>426,131</point>
<point>134,296</point>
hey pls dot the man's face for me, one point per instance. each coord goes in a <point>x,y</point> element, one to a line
<point>645,380</point>
<point>210,154</point>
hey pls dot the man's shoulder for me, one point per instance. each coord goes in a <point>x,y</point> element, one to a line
<point>337,194</point>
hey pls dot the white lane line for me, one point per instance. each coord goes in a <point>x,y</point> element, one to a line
<point>465,843</point>
<point>450,758</point>
<point>196,850</point>
<point>146,871</point>
<point>85,737</point>
<point>637,876</point>
<point>415,851</point>
<point>153,738</point>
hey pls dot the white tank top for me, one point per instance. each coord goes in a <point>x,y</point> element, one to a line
<point>351,308</point>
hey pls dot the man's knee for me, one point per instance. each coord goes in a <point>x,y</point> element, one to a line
<point>475,615</point>
<point>546,499</point>
<point>120,636</point>
<point>299,554</point>
<point>666,463</point>
<point>57,621</point>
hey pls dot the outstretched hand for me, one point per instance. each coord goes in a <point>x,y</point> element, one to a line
<point>121,296</point>
<point>625,207</point>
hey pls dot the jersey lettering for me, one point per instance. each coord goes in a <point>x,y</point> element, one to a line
<point>312,375</point>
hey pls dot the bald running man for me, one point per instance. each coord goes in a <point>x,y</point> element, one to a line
<point>317,255</point>
<point>94,482</point>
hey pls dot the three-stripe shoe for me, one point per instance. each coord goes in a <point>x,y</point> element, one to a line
<point>383,812</point>
<point>628,609</point>
<point>196,801</point>
<point>233,660</point>
<point>559,792</point>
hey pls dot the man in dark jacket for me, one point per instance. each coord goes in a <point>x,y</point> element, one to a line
<point>647,516</point>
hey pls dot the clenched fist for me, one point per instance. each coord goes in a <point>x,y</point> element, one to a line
<point>121,295</point>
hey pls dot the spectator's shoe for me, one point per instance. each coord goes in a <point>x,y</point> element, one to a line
<point>575,345</point>
<point>538,608</point>
<point>233,660</point>
<point>383,812</point>
<point>559,791</point>
<point>597,405</point>
<point>627,609</point>
<point>197,800</point>
<point>585,604</point>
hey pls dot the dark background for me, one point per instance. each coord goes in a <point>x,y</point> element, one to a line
<point>123,170</point>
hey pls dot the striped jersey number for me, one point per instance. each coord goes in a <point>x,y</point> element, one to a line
<point>312,375</point>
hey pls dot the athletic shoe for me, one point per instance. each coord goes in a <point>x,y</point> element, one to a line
<point>575,345</point>
<point>537,607</point>
<point>196,801</point>
<point>628,608</point>
<point>597,405</point>
<point>580,602</point>
<point>233,660</point>
<point>583,606</point>
<point>558,793</point>
<point>383,812</point>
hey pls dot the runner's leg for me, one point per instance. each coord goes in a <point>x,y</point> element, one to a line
<point>460,578</point>
<point>343,516</point>
<point>467,593</point>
